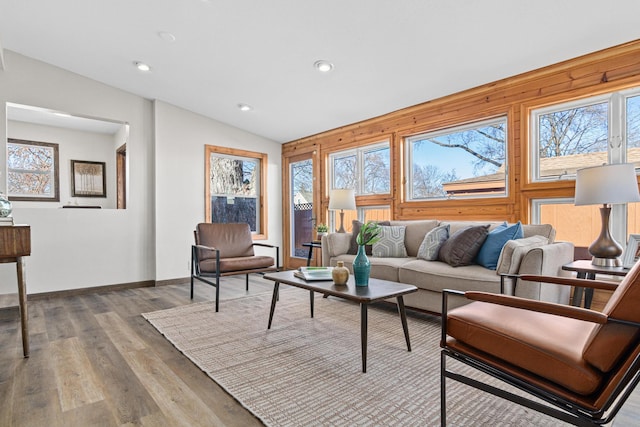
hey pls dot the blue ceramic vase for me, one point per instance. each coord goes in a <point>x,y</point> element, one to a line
<point>361,267</point>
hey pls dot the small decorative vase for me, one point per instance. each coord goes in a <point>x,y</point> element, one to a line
<point>5,206</point>
<point>361,267</point>
<point>340,274</point>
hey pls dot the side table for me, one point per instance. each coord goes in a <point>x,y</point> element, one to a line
<point>311,246</point>
<point>586,270</point>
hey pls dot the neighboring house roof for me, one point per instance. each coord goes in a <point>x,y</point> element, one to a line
<point>549,167</point>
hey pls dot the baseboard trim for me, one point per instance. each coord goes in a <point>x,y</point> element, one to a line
<point>180,281</point>
<point>91,290</point>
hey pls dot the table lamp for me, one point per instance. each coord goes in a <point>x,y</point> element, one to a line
<point>606,185</point>
<point>341,199</point>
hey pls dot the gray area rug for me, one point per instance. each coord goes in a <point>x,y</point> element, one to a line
<point>307,372</point>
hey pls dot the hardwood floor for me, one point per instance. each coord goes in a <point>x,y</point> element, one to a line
<point>96,361</point>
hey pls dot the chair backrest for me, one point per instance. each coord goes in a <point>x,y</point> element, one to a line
<point>233,240</point>
<point>609,342</point>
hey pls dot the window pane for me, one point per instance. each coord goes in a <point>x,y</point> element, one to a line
<point>344,171</point>
<point>464,161</point>
<point>377,173</point>
<point>235,190</point>
<point>31,170</point>
<point>572,139</point>
<point>633,125</point>
<point>577,224</point>
<point>302,196</point>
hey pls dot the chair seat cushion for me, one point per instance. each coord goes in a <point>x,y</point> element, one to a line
<point>545,345</point>
<point>237,264</point>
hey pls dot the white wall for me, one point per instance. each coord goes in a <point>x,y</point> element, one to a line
<point>150,240</point>
<point>180,179</point>
<point>72,145</point>
<point>76,248</point>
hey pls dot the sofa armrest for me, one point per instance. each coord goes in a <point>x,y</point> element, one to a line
<point>546,260</point>
<point>334,244</point>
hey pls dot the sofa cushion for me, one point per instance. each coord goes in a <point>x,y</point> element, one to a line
<point>353,245</point>
<point>463,246</point>
<point>432,241</point>
<point>545,230</point>
<point>436,276</point>
<point>391,243</point>
<point>415,232</point>
<point>381,268</point>
<point>514,250</point>
<point>495,241</point>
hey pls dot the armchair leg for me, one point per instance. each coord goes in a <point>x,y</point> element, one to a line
<point>443,391</point>
<point>217,292</point>
<point>247,286</point>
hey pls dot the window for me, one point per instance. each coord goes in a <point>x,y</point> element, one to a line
<point>463,161</point>
<point>367,169</point>
<point>235,187</point>
<point>32,171</point>
<point>588,132</point>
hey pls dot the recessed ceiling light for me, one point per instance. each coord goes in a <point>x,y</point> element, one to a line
<point>167,36</point>
<point>245,107</point>
<point>323,66</point>
<point>142,66</point>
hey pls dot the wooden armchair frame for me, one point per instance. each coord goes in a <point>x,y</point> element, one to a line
<point>559,406</point>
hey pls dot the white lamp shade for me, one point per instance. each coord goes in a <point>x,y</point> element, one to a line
<point>607,184</point>
<point>342,199</point>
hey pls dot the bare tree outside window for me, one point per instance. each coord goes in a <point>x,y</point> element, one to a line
<point>462,161</point>
<point>32,171</point>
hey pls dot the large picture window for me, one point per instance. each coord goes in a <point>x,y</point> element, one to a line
<point>235,188</point>
<point>32,171</point>
<point>462,161</point>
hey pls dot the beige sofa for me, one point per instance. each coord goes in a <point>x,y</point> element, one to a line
<point>531,255</point>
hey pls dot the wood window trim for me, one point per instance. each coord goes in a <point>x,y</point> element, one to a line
<point>262,158</point>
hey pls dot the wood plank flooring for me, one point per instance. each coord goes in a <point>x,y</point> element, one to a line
<point>96,361</point>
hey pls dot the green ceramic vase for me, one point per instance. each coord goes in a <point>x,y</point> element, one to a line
<point>361,267</point>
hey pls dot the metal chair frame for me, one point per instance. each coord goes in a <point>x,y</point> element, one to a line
<point>559,407</point>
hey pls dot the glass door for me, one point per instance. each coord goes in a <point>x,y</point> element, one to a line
<point>301,211</point>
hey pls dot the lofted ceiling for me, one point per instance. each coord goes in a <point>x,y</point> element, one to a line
<point>388,54</point>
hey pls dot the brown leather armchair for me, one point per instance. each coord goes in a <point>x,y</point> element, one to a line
<point>584,364</point>
<point>225,250</point>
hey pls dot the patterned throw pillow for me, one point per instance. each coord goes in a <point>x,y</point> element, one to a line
<point>432,241</point>
<point>391,243</point>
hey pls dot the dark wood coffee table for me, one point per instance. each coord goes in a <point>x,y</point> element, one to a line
<point>377,290</point>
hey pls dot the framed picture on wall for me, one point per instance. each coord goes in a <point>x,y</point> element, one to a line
<point>632,252</point>
<point>88,179</point>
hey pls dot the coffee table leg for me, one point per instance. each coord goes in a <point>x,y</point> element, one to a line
<point>274,298</point>
<point>403,319</point>
<point>311,302</point>
<point>363,335</point>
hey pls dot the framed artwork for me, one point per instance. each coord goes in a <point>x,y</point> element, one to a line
<point>632,252</point>
<point>88,179</point>
<point>32,171</point>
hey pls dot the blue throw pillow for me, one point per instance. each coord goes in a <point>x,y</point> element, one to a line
<point>496,239</point>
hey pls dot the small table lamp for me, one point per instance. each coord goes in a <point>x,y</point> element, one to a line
<point>606,185</point>
<point>340,200</point>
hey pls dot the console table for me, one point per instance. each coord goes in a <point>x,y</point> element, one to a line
<point>586,270</point>
<point>15,244</point>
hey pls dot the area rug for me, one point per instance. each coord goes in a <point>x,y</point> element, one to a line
<point>307,371</point>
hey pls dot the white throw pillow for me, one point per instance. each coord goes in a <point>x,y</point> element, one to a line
<point>391,243</point>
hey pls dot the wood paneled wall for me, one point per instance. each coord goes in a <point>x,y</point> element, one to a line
<point>605,71</point>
